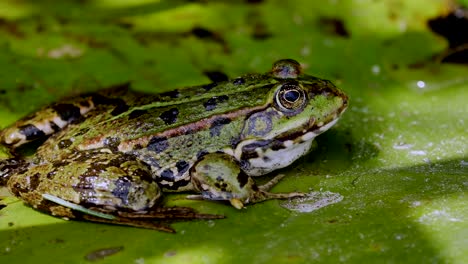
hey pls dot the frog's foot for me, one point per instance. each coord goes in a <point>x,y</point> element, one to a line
<point>156,219</point>
<point>218,176</point>
<point>262,193</point>
<point>267,186</point>
<point>166,213</point>
<point>131,222</point>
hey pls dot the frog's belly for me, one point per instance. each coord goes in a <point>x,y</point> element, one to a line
<point>269,160</point>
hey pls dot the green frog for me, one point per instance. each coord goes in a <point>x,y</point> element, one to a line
<point>109,156</point>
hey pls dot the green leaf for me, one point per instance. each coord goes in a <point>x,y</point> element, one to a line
<point>389,181</point>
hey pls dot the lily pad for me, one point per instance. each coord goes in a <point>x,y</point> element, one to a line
<point>394,169</point>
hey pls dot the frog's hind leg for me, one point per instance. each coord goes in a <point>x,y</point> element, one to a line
<point>156,218</point>
<point>100,186</point>
<point>55,117</point>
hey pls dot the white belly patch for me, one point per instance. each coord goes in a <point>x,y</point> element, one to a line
<point>269,160</point>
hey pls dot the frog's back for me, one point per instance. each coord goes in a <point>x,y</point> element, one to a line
<point>140,117</point>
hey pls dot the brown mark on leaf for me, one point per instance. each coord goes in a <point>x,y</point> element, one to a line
<point>453,27</point>
<point>11,28</point>
<point>102,253</point>
<point>206,34</point>
<point>334,26</point>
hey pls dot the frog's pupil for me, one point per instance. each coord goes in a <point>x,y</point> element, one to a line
<point>291,96</point>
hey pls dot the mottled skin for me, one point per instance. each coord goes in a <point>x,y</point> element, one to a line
<point>116,150</point>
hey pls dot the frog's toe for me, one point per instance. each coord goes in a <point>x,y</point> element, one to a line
<point>169,213</point>
<point>267,186</point>
<point>236,203</point>
<point>132,222</point>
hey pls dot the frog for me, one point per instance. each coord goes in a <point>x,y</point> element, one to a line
<point>110,155</point>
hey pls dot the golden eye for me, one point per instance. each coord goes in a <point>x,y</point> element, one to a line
<point>290,98</point>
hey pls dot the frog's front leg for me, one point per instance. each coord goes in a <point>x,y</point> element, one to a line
<point>99,186</point>
<point>218,176</point>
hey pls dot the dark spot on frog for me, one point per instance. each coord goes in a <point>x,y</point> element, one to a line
<point>201,153</point>
<point>54,126</point>
<point>182,166</point>
<point>34,181</point>
<point>2,91</point>
<point>60,163</point>
<point>10,224</point>
<point>115,160</point>
<point>158,144</point>
<point>86,187</point>
<point>167,175</point>
<point>51,175</point>
<point>249,155</point>
<point>120,107</point>
<point>122,189</point>
<point>176,184</point>
<point>172,94</point>
<point>136,113</point>
<point>334,26</point>
<point>17,189</point>
<point>209,86</point>
<point>217,125</point>
<point>99,99</point>
<point>277,145</point>
<point>143,174</point>
<point>112,143</point>
<point>234,141</point>
<point>85,103</point>
<point>258,144</point>
<point>242,178</point>
<point>255,188</point>
<point>65,143</point>
<point>82,131</point>
<point>216,76</point>
<point>244,164</point>
<point>238,81</point>
<point>222,186</point>
<point>137,146</point>
<point>3,206</point>
<point>67,112</point>
<point>31,132</point>
<point>211,103</point>
<point>170,116</point>
<point>150,161</point>
<point>266,159</point>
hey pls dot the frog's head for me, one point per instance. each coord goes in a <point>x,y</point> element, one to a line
<point>300,107</point>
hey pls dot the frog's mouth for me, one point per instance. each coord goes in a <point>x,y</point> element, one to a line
<point>315,128</point>
<point>312,128</point>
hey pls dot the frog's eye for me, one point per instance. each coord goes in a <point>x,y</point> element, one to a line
<point>290,98</point>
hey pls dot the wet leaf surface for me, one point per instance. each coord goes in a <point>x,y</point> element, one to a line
<point>397,160</point>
